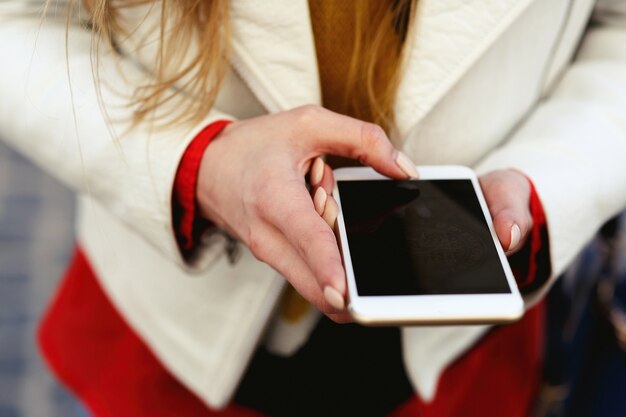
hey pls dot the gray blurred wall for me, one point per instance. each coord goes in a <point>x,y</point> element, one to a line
<point>36,238</point>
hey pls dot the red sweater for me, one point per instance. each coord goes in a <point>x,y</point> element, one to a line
<point>104,362</point>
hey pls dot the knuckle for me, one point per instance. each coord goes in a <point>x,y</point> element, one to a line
<point>289,220</point>
<point>254,243</point>
<point>265,193</point>
<point>507,216</point>
<point>294,210</point>
<point>372,139</point>
<point>494,180</point>
<point>327,267</point>
<point>259,207</point>
<point>314,238</point>
<point>307,116</point>
<point>500,185</point>
<point>257,204</point>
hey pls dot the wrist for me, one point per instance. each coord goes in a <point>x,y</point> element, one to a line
<point>212,173</point>
<point>188,224</point>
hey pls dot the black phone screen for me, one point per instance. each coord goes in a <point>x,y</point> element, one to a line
<point>419,237</point>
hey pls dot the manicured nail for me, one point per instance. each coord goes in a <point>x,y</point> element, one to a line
<point>317,171</point>
<point>334,298</point>
<point>406,165</point>
<point>319,200</point>
<point>331,211</point>
<point>516,234</point>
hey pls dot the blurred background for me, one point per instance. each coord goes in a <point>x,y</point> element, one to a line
<point>585,370</point>
<point>36,237</point>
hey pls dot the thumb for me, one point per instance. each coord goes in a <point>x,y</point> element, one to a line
<point>513,224</point>
<point>507,193</point>
<point>332,133</point>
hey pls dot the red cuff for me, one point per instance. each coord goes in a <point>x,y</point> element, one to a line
<point>531,265</point>
<point>188,226</point>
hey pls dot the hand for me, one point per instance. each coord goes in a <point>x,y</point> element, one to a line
<point>507,193</point>
<point>251,184</point>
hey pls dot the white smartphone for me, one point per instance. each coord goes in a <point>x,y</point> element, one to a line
<point>422,251</point>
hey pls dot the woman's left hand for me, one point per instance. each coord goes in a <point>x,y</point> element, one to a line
<point>507,193</point>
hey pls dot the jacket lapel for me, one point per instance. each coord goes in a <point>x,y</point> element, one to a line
<point>274,52</point>
<point>448,37</point>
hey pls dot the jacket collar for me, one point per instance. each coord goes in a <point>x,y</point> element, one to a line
<point>449,37</point>
<point>274,50</point>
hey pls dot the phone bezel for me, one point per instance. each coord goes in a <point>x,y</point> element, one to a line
<point>428,309</point>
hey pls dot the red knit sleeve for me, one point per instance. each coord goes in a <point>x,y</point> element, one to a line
<point>531,265</point>
<point>188,226</point>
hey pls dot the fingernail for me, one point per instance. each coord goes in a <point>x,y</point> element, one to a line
<point>515,236</point>
<point>317,171</point>
<point>331,211</point>
<point>406,165</point>
<point>319,200</point>
<point>334,298</point>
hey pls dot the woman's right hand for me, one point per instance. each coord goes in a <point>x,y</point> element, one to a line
<point>251,184</point>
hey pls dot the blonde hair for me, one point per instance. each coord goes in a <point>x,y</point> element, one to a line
<point>372,81</point>
<point>377,59</point>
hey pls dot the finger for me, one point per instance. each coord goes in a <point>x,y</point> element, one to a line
<point>321,206</point>
<point>293,214</point>
<point>319,200</point>
<point>341,318</point>
<point>507,196</point>
<point>317,171</point>
<point>331,211</point>
<point>327,132</point>
<point>328,179</point>
<point>278,252</point>
<point>512,229</point>
<point>321,175</point>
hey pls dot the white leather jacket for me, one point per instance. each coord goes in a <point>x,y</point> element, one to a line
<point>489,84</point>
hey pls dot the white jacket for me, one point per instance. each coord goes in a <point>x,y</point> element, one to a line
<point>489,84</point>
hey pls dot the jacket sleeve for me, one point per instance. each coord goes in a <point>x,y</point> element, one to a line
<point>52,111</point>
<point>573,145</point>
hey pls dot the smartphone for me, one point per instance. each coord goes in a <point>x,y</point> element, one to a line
<point>422,251</point>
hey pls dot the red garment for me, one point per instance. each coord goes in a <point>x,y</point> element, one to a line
<point>531,265</point>
<point>188,225</point>
<point>499,376</point>
<point>98,356</point>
